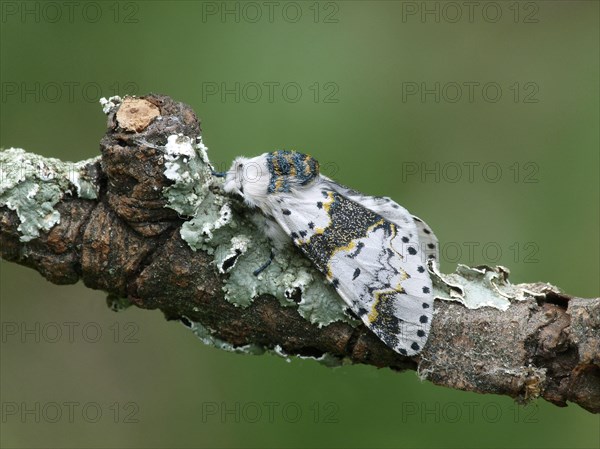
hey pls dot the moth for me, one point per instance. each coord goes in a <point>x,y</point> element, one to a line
<point>371,249</point>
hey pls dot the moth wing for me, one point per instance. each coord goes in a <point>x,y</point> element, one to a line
<point>394,212</point>
<point>376,265</point>
<point>429,241</point>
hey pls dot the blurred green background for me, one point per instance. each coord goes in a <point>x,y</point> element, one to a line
<point>393,98</point>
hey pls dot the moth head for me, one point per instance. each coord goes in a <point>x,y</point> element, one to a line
<point>249,178</point>
<point>270,174</point>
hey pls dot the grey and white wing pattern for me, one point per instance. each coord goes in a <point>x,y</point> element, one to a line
<point>394,212</point>
<point>376,265</point>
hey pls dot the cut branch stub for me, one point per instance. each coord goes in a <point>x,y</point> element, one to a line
<point>133,161</point>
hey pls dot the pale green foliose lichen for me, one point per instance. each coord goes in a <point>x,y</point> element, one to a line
<point>223,227</point>
<point>110,103</point>
<point>476,287</point>
<point>31,185</point>
<point>190,174</point>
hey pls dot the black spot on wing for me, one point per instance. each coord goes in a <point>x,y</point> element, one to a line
<point>359,247</point>
<point>356,274</point>
<point>286,212</point>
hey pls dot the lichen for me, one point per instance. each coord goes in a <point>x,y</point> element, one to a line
<point>226,257</point>
<point>326,359</point>
<point>31,185</point>
<point>110,104</point>
<point>190,174</point>
<point>223,227</point>
<point>208,339</point>
<point>476,287</point>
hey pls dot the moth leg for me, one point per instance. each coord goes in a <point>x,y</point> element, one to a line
<point>277,237</point>
<point>264,266</point>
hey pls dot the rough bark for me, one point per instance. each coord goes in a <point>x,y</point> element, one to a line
<point>127,243</point>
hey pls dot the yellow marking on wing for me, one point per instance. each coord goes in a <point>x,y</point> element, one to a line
<point>374,313</point>
<point>404,276</point>
<point>348,247</point>
<point>327,205</point>
<point>394,235</point>
<point>379,296</point>
<point>374,225</point>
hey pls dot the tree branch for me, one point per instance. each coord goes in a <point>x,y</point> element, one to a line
<point>147,223</point>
